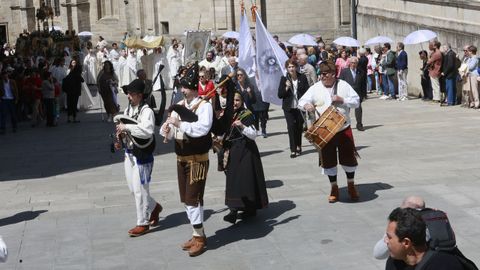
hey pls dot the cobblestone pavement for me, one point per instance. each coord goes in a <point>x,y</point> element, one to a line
<point>65,204</point>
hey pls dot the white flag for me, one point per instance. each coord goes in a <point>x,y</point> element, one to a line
<point>270,63</point>
<point>246,51</point>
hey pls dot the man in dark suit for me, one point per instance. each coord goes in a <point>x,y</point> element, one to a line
<point>353,76</point>
<point>231,68</point>
<point>450,72</point>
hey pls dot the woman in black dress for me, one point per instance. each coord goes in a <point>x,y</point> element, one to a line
<point>72,86</point>
<point>107,84</point>
<point>245,187</point>
<point>291,89</point>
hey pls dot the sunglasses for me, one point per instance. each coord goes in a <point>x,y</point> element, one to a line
<point>239,75</point>
<point>325,74</point>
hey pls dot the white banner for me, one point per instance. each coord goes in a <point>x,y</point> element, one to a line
<point>246,50</point>
<point>270,63</point>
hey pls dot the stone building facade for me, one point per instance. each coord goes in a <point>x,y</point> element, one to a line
<point>111,18</point>
<point>455,21</point>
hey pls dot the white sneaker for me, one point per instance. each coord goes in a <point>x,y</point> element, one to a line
<point>384,97</point>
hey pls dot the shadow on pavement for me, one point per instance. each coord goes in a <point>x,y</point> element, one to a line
<point>177,219</point>
<point>367,192</point>
<point>257,227</point>
<point>69,147</point>
<point>271,134</point>
<point>20,217</point>
<point>268,153</point>
<point>372,126</point>
<point>274,183</point>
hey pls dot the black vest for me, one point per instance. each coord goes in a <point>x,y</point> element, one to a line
<point>193,146</point>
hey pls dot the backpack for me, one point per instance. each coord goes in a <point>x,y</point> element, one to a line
<point>442,238</point>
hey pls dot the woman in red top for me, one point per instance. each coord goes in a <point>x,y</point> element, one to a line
<point>33,86</point>
<point>205,85</point>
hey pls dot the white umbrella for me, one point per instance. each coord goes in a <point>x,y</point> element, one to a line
<point>303,39</point>
<point>347,41</point>
<point>419,36</point>
<point>85,34</point>
<point>231,34</point>
<point>56,28</point>
<point>378,40</point>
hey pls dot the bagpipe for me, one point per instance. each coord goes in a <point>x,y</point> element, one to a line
<point>188,115</point>
<point>120,138</point>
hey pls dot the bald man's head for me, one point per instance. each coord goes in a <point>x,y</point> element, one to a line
<point>415,202</point>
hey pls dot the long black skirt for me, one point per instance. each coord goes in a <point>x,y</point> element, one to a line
<point>245,188</point>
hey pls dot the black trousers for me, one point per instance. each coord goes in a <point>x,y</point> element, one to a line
<point>72,101</point>
<point>261,118</point>
<point>359,114</point>
<point>295,128</point>
<point>49,110</point>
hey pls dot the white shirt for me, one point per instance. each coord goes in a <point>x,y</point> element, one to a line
<point>295,100</point>
<point>146,122</point>
<point>321,97</point>
<point>193,129</point>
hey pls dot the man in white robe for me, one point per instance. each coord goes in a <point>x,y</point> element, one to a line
<point>90,68</point>
<point>114,57</point>
<point>174,58</point>
<point>158,60</point>
<point>130,69</point>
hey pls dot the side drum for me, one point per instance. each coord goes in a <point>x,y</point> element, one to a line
<point>325,127</point>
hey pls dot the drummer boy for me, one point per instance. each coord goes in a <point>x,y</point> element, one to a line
<point>332,92</point>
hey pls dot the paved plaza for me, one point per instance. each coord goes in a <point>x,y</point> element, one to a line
<point>65,204</point>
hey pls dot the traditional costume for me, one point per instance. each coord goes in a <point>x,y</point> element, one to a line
<point>192,144</point>
<point>139,143</point>
<point>321,97</point>
<point>245,188</point>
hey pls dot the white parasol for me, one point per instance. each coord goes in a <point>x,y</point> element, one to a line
<point>231,34</point>
<point>85,34</point>
<point>378,40</point>
<point>303,39</point>
<point>419,36</point>
<point>347,41</point>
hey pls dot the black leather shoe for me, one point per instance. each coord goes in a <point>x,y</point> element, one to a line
<point>231,217</point>
<point>360,128</point>
<point>293,155</point>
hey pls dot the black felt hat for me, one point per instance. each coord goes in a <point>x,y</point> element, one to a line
<point>136,86</point>
<point>190,80</point>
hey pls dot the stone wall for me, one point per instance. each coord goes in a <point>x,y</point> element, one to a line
<point>111,18</point>
<point>455,21</point>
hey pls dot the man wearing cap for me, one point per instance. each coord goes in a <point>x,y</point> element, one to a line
<point>139,158</point>
<point>192,143</point>
<point>338,93</point>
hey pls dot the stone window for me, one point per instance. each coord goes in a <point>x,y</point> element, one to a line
<point>165,28</point>
<point>107,8</point>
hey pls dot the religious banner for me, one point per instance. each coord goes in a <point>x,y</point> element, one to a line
<point>196,45</point>
<point>246,51</point>
<point>270,63</point>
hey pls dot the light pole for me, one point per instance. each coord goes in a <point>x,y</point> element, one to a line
<point>354,18</point>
